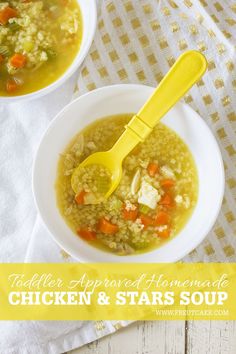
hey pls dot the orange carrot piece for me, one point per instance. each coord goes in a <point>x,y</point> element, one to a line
<point>87,234</point>
<point>164,233</point>
<point>167,201</point>
<point>130,214</point>
<point>6,14</point>
<point>162,218</point>
<point>146,220</point>
<point>11,86</point>
<point>152,169</point>
<point>107,227</point>
<point>18,60</point>
<point>167,183</point>
<point>80,197</point>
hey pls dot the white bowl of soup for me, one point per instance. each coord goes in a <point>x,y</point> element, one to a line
<point>170,193</point>
<point>42,43</point>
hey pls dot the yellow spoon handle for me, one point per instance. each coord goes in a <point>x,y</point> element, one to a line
<point>186,71</point>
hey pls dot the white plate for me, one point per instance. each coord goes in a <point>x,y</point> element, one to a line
<point>124,99</point>
<point>89,15</point>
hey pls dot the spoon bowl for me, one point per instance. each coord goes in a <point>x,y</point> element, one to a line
<point>106,159</point>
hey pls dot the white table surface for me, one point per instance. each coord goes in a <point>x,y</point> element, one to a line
<point>168,337</point>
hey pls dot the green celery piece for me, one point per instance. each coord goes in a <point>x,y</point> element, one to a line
<point>4,50</point>
<point>144,209</point>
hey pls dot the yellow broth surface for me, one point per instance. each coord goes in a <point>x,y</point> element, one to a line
<point>155,199</point>
<point>38,43</point>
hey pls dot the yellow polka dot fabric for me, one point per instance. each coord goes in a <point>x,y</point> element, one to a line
<point>138,41</point>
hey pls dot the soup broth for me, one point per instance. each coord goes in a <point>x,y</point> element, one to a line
<point>38,42</point>
<point>155,199</point>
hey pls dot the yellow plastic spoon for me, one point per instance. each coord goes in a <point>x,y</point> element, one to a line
<point>186,71</point>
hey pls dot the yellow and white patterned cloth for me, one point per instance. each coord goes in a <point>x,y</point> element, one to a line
<point>138,41</point>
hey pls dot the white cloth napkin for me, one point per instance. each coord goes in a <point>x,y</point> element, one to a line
<point>23,238</point>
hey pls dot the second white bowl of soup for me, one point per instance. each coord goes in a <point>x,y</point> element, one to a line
<point>170,193</point>
<point>42,44</point>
